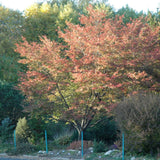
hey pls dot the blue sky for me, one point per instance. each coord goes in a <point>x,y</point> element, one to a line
<point>138,5</point>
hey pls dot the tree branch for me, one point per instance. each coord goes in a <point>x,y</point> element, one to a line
<point>62,95</point>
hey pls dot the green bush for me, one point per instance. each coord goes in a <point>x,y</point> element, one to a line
<point>38,122</point>
<point>63,141</point>
<point>37,128</point>
<point>22,148</point>
<point>98,147</point>
<point>105,131</point>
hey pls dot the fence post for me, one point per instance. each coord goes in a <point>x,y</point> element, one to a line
<point>46,141</point>
<point>122,146</point>
<point>15,139</point>
<point>82,143</point>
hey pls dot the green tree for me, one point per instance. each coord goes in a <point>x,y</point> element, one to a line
<point>10,33</point>
<point>10,102</point>
<point>6,129</point>
<point>129,14</point>
<point>45,19</point>
<point>105,7</point>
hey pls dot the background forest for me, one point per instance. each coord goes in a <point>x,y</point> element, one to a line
<point>68,67</point>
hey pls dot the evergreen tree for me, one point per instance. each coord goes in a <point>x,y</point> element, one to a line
<point>10,102</point>
<point>129,14</point>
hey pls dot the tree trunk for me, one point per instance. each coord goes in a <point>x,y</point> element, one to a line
<point>79,130</point>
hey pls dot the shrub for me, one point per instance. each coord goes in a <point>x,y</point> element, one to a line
<point>63,141</point>
<point>98,147</point>
<point>63,136</point>
<point>37,128</point>
<point>106,131</point>
<point>38,123</point>
<point>22,148</point>
<point>22,130</point>
<point>138,116</point>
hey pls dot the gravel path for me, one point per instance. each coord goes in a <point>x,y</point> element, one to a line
<point>11,159</point>
<point>39,158</point>
<point>25,157</point>
<point>6,157</point>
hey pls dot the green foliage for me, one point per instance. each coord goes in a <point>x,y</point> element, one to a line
<point>138,117</point>
<point>4,146</point>
<point>63,141</point>
<point>56,130</point>
<point>6,129</point>
<point>154,19</point>
<point>63,135</point>
<point>39,121</point>
<point>105,7</point>
<point>129,14</point>
<point>151,143</point>
<point>98,147</point>
<point>11,23</point>
<point>22,148</point>
<point>10,102</point>
<point>22,130</point>
<point>45,19</point>
<point>10,33</point>
<point>37,127</point>
<point>106,130</point>
<point>82,6</point>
